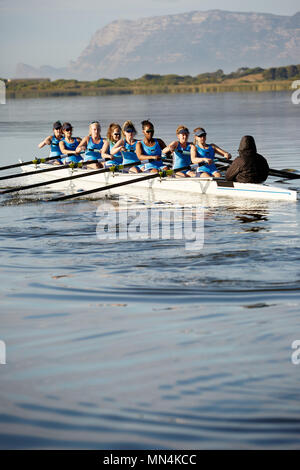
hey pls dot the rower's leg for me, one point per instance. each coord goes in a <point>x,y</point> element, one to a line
<point>216,174</point>
<point>134,169</point>
<point>94,166</point>
<point>204,175</point>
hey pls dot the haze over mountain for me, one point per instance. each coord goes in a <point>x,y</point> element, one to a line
<point>184,44</point>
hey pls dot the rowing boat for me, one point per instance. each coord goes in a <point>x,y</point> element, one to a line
<point>163,188</point>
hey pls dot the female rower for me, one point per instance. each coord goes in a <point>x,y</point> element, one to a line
<point>113,156</point>
<point>149,150</point>
<point>182,149</point>
<point>68,145</point>
<point>127,146</point>
<point>53,141</point>
<point>92,145</point>
<point>204,155</point>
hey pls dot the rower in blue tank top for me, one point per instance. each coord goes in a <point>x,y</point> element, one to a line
<point>53,141</point>
<point>116,158</point>
<point>68,145</point>
<point>204,155</point>
<point>91,151</point>
<point>54,147</point>
<point>127,147</point>
<point>182,151</point>
<point>149,150</point>
<point>110,152</point>
<point>92,145</point>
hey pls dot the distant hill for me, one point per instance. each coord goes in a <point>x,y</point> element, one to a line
<point>190,43</point>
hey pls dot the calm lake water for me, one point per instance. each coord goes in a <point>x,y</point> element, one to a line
<point>145,344</point>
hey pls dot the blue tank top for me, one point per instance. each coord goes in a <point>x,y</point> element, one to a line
<point>155,150</point>
<point>117,158</point>
<point>71,146</point>
<point>182,156</point>
<point>90,153</point>
<point>130,155</point>
<point>54,147</point>
<point>206,153</point>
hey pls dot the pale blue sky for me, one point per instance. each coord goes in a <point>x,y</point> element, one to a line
<point>40,32</point>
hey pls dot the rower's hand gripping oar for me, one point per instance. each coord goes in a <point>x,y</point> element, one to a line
<point>160,174</point>
<point>112,168</point>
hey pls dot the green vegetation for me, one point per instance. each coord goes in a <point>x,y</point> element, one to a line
<point>244,79</point>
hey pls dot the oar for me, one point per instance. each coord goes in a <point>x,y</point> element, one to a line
<point>36,161</point>
<point>272,172</point>
<point>55,168</point>
<point>67,178</point>
<point>160,174</point>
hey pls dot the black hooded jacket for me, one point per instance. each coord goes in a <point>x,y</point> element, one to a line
<point>249,167</point>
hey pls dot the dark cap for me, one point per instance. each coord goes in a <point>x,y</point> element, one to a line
<point>57,125</point>
<point>200,132</point>
<point>184,131</point>
<point>67,126</point>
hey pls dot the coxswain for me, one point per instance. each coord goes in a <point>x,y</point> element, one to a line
<point>249,166</point>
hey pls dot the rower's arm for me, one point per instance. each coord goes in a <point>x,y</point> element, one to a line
<point>171,147</point>
<point>221,152</point>
<point>65,151</point>
<point>117,147</point>
<point>83,144</point>
<point>46,141</point>
<point>105,150</point>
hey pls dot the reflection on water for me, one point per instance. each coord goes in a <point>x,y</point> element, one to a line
<point>142,344</point>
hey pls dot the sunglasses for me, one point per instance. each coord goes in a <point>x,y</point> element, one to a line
<point>130,131</point>
<point>149,131</point>
<point>69,129</point>
<point>117,133</point>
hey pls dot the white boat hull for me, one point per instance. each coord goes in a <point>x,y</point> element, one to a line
<point>163,189</point>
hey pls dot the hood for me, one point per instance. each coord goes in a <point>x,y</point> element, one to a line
<point>248,143</point>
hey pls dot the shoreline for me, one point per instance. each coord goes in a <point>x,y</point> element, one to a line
<point>258,87</point>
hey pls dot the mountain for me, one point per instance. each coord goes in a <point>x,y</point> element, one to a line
<point>189,43</point>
